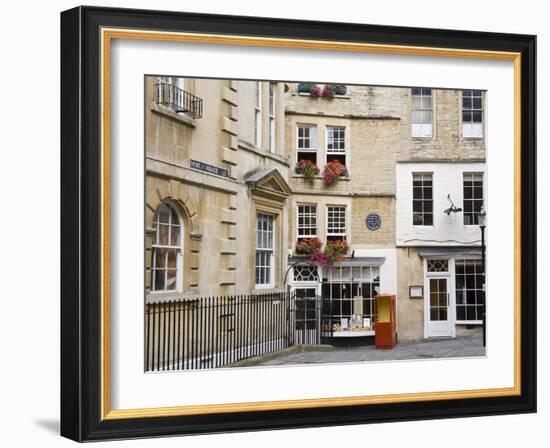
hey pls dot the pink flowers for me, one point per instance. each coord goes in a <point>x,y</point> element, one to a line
<point>315,91</point>
<point>333,251</point>
<point>327,91</point>
<point>321,259</point>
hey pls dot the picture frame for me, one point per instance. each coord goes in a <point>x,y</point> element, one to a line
<point>86,37</point>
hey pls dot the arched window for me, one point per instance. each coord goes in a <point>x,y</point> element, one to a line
<point>166,261</point>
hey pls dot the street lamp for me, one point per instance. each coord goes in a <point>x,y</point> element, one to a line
<point>481,220</point>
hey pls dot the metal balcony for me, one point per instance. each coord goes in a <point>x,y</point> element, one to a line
<point>178,99</point>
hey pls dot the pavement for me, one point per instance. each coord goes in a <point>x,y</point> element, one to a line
<point>433,348</point>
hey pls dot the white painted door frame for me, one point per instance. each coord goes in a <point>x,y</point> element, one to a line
<point>440,329</point>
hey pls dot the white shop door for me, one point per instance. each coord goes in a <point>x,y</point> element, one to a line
<point>438,308</point>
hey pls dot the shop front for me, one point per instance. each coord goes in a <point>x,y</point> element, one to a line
<point>453,291</point>
<point>339,299</point>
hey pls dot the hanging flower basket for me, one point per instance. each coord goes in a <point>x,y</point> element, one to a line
<point>333,171</point>
<point>333,252</point>
<point>321,260</point>
<point>336,250</point>
<point>308,246</point>
<point>308,169</point>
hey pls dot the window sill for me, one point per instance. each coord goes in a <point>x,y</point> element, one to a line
<point>469,322</point>
<point>300,176</point>
<point>335,97</point>
<point>181,117</point>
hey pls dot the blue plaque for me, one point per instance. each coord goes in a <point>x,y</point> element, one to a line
<point>373,221</point>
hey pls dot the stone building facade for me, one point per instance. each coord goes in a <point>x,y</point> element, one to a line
<point>440,175</point>
<point>361,129</point>
<point>226,204</point>
<point>215,165</point>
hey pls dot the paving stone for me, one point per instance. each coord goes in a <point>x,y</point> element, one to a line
<point>447,348</point>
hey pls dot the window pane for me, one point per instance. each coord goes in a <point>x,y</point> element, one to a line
<point>172,259</point>
<point>171,279</point>
<point>426,102</point>
<point>160,280</point>
<point>477,103</point>
<point>163,235</point>
<point>175,235</point>
<point>163,213</point>
<point>160,258</point>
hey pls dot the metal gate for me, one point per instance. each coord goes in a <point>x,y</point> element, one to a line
<point>305,316</point>
<point>327,320</point>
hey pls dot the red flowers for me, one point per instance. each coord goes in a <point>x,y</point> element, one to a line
<point>332,171</point>
<point>333,252</point>
<point>336,250</point>
<point>308,169</point>
<point>308,246</point>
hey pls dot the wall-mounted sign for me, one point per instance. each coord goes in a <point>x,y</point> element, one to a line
<point>209,168</point>
<point>416,292</point>
<point>373,221</point>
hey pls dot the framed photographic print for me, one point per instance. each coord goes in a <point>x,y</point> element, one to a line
<point>249,204</point>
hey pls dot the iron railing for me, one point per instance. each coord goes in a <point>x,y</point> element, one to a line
<point>178,99</point>
<point>213,332</point>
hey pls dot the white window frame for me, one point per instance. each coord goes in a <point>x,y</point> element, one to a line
<point>269,251</point>
<point>338,151</point>
<point>178,248</point>
<point>473,200</point>
<point>343,234</point>
<point>476,260</point>
<point>367,274</point>
<point>472,129</point>
<point>422,128</point>
<point>310,214</point>
<point>258,114</point>
<point>422,199</point>
<point>312,140</point>
<point>272,139</point>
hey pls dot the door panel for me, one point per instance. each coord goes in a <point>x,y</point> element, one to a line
<point>438,314</point>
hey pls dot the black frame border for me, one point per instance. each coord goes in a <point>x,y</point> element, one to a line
<point>81,223</point>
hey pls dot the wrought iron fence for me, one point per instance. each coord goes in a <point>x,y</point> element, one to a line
<point>212,332</point>
<point>178,99</point>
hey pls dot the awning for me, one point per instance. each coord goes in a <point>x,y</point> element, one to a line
<point>449,251</point>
